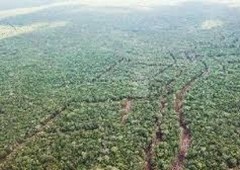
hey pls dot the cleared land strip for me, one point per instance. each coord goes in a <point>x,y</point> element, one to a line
<point>156,138</point>
<point>185,133</point>
<point>48,121</point>
<point>157,135</point>
<point>126,108</point>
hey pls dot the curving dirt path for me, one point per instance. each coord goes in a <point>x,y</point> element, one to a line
<point>157,135</point>
<point>185,133</point>
<point>126,108</point>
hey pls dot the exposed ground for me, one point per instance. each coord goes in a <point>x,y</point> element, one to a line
<point>119,85</point>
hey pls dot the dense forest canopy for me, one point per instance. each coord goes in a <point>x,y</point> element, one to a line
<point>120,84</point>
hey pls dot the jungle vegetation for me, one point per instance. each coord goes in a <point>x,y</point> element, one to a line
<point>118,88</point>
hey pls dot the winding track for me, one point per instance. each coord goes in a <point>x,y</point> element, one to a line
<point>156,138</point>
<point>185,133</point>
<point>157,135</point>
<point>126,106</point>
<point>48,121</point>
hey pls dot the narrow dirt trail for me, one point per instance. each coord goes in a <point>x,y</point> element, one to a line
<point>126,108</point>
<point>185,133</point>
<point>156,138</point>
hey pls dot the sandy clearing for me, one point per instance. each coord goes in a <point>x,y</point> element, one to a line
<point>8,30</point>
